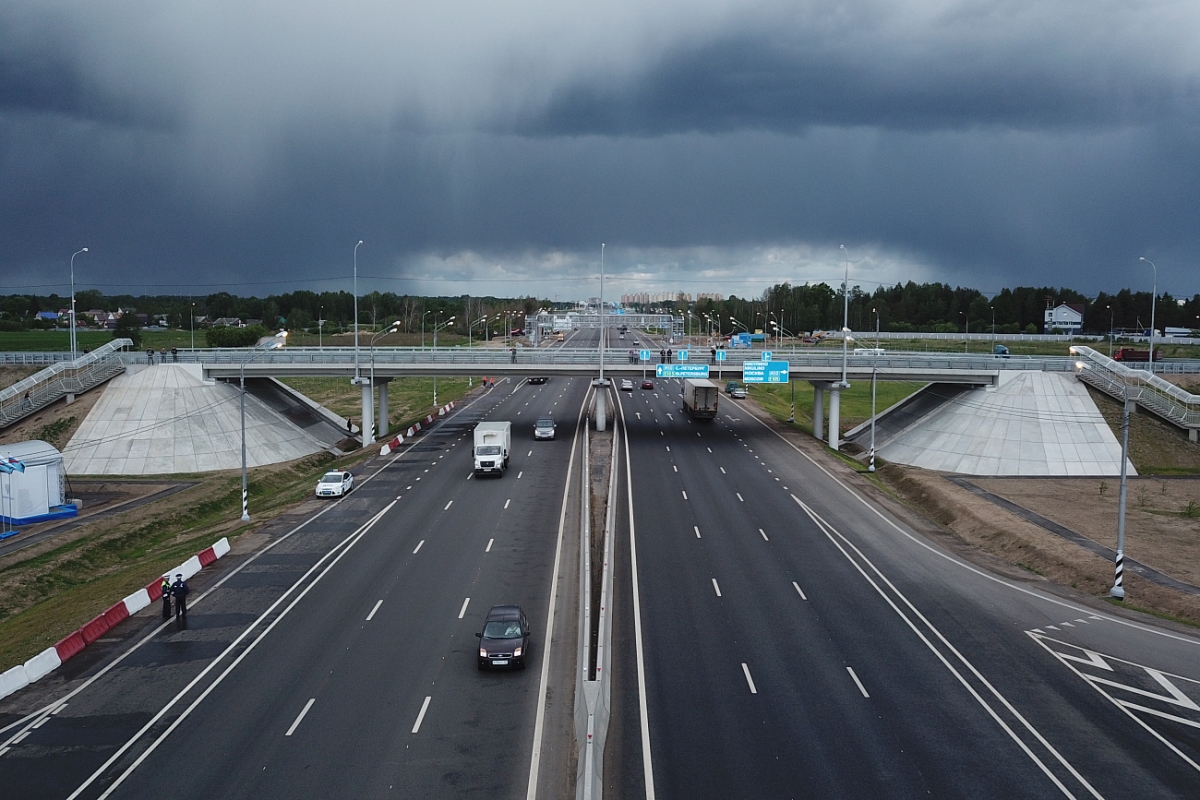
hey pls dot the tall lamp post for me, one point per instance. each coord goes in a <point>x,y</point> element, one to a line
<point>1153,300</point>
<point>192,322</point>
<point>274,343</point>
<point>320,327</point>
<point>357,379</point>
<point>602,313</point>
<point>437,328</point>
<point>73,347</point>
<point>846,320</point>
<point>874,380</point>
<point>1110,330</point>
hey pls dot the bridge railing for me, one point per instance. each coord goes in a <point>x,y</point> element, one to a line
<point>1144,388</point>
<point>550,356</point>
<point>59,379</point>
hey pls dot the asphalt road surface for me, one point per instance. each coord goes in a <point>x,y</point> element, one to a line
<point>342,661</point>
<point>796,641</point>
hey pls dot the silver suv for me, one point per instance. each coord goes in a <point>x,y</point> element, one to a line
<point>544,428</point>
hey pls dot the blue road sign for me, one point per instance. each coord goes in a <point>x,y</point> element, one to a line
<point>682,354</point>
<point>645,355</point>
<point>765,371</point>
<point>681,370</point>
<point>720,355</point>
<point>766,355</point>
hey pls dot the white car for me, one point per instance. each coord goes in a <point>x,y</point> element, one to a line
<point>626,386</point>
<point>335,484</point>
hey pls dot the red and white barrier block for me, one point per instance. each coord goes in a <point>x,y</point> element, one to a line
<point>51,658</point>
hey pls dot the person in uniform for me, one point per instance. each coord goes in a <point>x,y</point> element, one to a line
<point>179,590</point>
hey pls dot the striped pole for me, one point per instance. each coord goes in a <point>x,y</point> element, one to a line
<point>245,504</point>
<point>1118,591</point>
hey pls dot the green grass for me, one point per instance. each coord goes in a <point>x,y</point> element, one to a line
<point>409,399</point>
<point>52,594</point>
<point>775,399</point>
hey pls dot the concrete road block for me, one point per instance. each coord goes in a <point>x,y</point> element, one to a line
<point>221,548</point>
<point>137,601</point>
<point>13,680</point>
<point>42,664</point>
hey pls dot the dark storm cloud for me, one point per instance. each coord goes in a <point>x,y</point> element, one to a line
<point>768,82</point>
<point>487,148</point>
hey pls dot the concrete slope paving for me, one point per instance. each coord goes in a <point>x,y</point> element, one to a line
<point>166,419</point>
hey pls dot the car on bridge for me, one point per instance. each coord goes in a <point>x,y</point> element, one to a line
<point>335,484</point>
<point>504,640</point>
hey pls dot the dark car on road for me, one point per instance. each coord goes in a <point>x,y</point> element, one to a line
<point>538,379</point>
<point>504,640</point>
<point>647,384</point>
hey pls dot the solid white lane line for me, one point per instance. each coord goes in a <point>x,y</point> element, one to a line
<point>749,680</point>
<point>335,554</point>
<point>684,494</point>
<point>418,547</point>
<point>799,591</point>
<point>421,716</point>
<point>857,682</point>
<point>716,588</point>
<point>506,502</point>
<point>463,610</point>
<point>838,539</point>
<point>303,711</point>
<point>373,610</point>
<point>764,535</point>
<point>488,549</point>
<point>697,529</point>
<point>739,496</point>
<point>447,508</point>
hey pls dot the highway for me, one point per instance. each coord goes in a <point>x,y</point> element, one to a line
<point>342,661</point>
<point>777,635</point>
<point>796,641</point>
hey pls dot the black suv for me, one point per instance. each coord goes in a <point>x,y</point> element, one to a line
<point>504,640</point>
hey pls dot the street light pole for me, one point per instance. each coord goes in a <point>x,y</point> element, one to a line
<point>1153,301</point>
<point>874,380</point>
<point>320,327</point>
<point>356,374</point>
<point>437,328</point>
<point>273,344</point>
<point>846,320</point>
<point>192,323</point>
<point>73,347</point>
<point>1110,330</point>
<point>1118,591</point>
<point>602,313</point>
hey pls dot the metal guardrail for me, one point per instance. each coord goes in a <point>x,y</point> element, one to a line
<point>1146,389</point>
<point>60,379</point>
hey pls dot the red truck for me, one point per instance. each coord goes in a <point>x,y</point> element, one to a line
<point>1133,354</point>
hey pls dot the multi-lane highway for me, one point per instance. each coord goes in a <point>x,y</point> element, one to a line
<point>342,661</point>
<point>797,641</point>
<point>778,634</point>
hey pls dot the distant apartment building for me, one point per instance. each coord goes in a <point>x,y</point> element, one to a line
<point>1065,318</point>
<point>652,298</point>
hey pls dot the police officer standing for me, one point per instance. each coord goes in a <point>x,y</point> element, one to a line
<point>166,596</point>
<point>180,590</point>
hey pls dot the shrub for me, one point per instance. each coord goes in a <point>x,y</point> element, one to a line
<point>235,337</point>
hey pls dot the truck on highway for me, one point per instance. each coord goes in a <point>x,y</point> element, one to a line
<point>1133,354</point>
<point>493,442</point>
<point>700,398</point>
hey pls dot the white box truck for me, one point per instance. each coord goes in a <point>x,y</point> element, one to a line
<point>493,442</point>
<point>700,398</point>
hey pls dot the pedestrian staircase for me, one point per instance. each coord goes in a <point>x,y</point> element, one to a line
<point>58,380</point>
<point>1146,389</point>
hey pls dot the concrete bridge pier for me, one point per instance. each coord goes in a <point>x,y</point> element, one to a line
<point>835,411</point>
<point>818,415</point>
<point>383,406</point>
<point>368,411</point>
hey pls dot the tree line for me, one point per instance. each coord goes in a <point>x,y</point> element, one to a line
<point>910,307</point>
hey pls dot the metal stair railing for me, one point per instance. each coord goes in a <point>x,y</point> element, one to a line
<point>58,380</point>
<point>1143,387</point>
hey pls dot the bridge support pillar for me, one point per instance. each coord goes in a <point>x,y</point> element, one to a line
<point>1194,434</point>
<point>818,415</point>
<point>835,409</point>
<point>383,406</point>
<point>368,412</point>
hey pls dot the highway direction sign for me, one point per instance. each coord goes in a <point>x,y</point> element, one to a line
<point>765,371</point>
<point>681,370</point>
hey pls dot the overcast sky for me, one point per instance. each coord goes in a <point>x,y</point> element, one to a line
<point>489,148</point>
